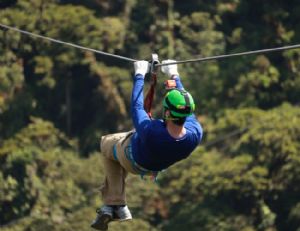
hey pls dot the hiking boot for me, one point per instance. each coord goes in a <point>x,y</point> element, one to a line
<point>104,216</point>
<point>121,213</point>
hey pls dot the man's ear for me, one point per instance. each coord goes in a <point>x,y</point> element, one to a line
<point>167,113</point>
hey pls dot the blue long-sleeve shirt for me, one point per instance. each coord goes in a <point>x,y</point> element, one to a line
<point>152,146</point>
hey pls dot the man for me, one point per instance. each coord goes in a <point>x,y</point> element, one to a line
<point>154,145</point>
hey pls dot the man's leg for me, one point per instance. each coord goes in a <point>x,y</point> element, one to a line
<point>113,188</point>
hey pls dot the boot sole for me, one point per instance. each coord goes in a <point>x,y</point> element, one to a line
<point>126,219</point>
<point>121,220</point>
<point>117,218</point>
<point>102,222</point>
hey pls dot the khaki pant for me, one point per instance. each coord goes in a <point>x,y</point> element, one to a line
<point>115,170</point>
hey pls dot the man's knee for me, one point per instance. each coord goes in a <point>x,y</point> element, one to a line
<point>105,144</point>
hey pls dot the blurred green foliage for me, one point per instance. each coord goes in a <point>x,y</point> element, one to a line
<point>57,101</point>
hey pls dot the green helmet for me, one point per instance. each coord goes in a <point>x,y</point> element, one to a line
<point>179,102</point>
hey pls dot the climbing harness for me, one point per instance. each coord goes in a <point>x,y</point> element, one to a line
<point>139,169</point>
<point>150,94</point>
<point>127,151</point>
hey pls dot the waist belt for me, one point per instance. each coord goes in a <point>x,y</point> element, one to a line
<point>138,168</point>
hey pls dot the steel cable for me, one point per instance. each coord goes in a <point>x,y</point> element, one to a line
<point>233,55</point>
<point>217,57</point>
<point>67,43</point>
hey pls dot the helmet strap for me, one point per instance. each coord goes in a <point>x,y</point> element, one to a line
<point>186,98</point>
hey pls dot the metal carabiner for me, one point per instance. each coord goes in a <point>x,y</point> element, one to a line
<point>153,62</point>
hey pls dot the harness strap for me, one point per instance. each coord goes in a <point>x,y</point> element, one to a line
<point>141,170</point>
<point>150,95</point>
<point>115,152</point>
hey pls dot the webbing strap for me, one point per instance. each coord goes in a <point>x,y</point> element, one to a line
<point>115,152</point>
<point>150,95</point>
<point>139,169</point>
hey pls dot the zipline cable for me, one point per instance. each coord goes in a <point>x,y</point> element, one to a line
<point>232,55</point>
<point>67,43</point>
<point>217,57</point>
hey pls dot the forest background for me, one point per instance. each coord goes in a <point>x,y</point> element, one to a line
<point>57,101</point>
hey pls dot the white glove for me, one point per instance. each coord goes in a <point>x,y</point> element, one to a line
<point>170,70</point>
<point>141,67</point>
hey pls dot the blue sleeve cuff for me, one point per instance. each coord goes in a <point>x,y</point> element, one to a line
<point>138,76</point>
<point>179,84</point>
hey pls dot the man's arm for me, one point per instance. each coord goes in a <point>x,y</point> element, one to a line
<point>194,124</point>
<point>179,84</point>
<point>140,118</point>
